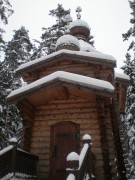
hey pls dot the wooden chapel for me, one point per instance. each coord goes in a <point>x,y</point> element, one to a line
<point>69,93</point>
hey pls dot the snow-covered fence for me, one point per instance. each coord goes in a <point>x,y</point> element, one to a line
<point>81,167</point>
<point>16,163</point>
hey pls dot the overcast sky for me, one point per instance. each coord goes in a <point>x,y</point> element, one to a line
<point>108,19</point>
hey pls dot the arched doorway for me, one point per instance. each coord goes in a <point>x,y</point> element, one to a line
<point>65,138</point>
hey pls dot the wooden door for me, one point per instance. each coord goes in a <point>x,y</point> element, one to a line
<point>65,139</point>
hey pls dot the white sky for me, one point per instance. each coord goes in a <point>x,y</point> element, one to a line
<point>108,19</point>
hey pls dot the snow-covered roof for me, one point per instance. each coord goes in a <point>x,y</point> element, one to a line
<point>79,22</point>
<point>93,57</point>
<point>75,79</point>
<point>67,40</point>
<point>84,46</point>
<point>122,77</point>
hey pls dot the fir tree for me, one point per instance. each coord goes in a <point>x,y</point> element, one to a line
<point>17,51</point>
<point>129,69</point>
<point>10,120</point>
<point>51,34</point>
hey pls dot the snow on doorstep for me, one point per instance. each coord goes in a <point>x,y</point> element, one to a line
<point>66,77</point>
<point>82,154</point>
<point>122,76</point>
<point>79,22</point>
<point>67,40</point>
<point>107,58</point>
<point>73,156</point>
<point>71,177</point>
<point>6,149</point>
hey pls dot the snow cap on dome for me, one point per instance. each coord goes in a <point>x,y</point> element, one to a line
<point>68,42</point>
<point>79,22</point>
<point>80,29</point>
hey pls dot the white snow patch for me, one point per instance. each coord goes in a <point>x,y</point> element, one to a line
<point>73,156</point>
<point>18,176</point>
<point>84,46</point>
<point>1,108</point>
<point>106,57</point>
<point>66,77</point>
<point>86,137</point>
<point>122,76</point>
<point>8,176</point>
<point>71,177</point>
<point>79,22</point>
<point>6,149</point>
<point>13,140</point>
<point>82,154</point>
<point>67,40</point>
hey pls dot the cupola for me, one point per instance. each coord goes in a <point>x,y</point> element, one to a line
<point>79,28</point>
<point>68,42</point>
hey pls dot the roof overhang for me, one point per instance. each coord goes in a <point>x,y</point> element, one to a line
<point>58,84</point>
<point>77,56</point>
<point>122,78</point>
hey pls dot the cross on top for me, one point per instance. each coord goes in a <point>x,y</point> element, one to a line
<point>78,10</point>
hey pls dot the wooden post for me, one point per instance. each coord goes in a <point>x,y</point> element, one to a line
<point>115,117</point>
<point>103,134</point>
<point>13,142</point>
<point>91,158</point>
<point>73,164</point>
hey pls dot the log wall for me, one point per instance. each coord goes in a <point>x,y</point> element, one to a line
<point>87,69</point>
<point>80,111</point>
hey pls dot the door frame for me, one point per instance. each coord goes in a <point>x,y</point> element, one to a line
<point>52,127</point>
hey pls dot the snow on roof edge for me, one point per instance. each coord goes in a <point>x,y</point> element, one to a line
<point>67,77</point>
<point>122,76</point>
<point>101,56</point>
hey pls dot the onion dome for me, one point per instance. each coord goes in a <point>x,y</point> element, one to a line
<point>68,42</point>
<point>80,29</point>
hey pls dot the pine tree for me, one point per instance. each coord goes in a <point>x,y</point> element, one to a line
<point>51,34</point>
<point>129,69</point>
<point>17,51</point>
<point>5,12</point>
<point>10,120</point>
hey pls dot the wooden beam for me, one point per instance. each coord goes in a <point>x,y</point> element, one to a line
<point>115,117</point>
<point>103,134</point>
<point>27,111</point>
